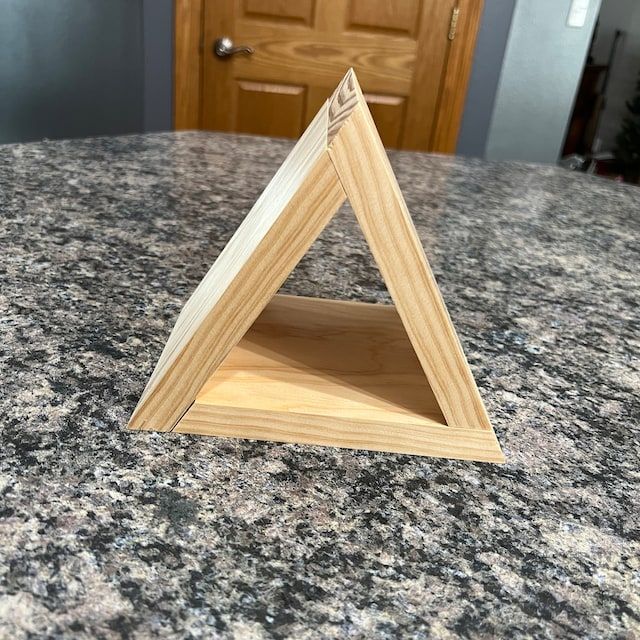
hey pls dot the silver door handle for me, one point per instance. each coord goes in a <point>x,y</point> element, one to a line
<point>224,48</point>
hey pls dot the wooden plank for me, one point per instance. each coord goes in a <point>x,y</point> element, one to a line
<point>439,441</point>
<point>342,103</point>
<point>187,64</point>
<point>366,175</point>
<point>291,212</point>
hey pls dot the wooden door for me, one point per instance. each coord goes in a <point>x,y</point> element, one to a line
<point>412,57</point>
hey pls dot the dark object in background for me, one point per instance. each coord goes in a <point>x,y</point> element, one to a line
<point>585,112</point>
<point>600,164</point>
<point>628,140</point>
<point>590,102</point>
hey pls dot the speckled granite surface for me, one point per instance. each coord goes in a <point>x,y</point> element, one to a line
<point>107,533</point>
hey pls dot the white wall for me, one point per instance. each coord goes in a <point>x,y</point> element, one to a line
<point>624,15</point>
<point>540,75</point>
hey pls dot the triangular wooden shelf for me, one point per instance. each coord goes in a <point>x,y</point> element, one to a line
<point>244,362</point>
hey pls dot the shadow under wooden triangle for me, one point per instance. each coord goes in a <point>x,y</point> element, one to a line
<point>244,362</point>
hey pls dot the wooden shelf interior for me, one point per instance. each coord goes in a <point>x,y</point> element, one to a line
<point>346,360</point>
<point>331,373</point>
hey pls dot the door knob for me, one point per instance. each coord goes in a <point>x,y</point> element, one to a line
<point>224,48</point>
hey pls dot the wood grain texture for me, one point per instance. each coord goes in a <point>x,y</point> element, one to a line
<point>331,373</point>
<point>387,111</point>
<point>456,79</point>
<point>187,97</point>
<point>291,212</point>
<point>426,83</point>
<point>388,114</point>
<point>326,357</point>
<point>341,104</point>
<point>423,440</point>
<point>241,362</point>
<point>282,105</point>
<point>300,55</point>
<point>366,175</point>
<point>219,95</point>
<point>286,10</point>
<point>399,15</point>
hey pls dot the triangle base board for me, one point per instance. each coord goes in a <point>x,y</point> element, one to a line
<point>331,373</point>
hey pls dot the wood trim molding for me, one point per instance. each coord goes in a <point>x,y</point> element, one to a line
<point>456,78</point>
<point>187,72</point>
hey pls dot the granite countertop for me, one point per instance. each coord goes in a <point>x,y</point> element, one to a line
<point>109,533</point>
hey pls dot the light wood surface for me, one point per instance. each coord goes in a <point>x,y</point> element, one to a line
<point>291,212</point>
<point>349,372</point>
<point>374,194</point>
<point>419,440</point>
<point>325,357</point>
<point>400,50</point>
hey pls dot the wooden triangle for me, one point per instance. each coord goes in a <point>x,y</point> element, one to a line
<point>244,362</point>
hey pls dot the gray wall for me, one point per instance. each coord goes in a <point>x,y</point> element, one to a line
<point>72,68</point>
<point>483,83</point>
<point>542,68</point>
<point>158,64</point>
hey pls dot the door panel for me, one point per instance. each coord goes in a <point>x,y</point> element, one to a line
<point>433,50</point>
<point>302,48</point>
<point>306,55</point>
<point>281,107</point>
<point>399,15</point>
<point>388,114</point>
<point>288,10</point>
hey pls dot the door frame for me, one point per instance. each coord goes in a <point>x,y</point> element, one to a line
<point>188,70</point>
